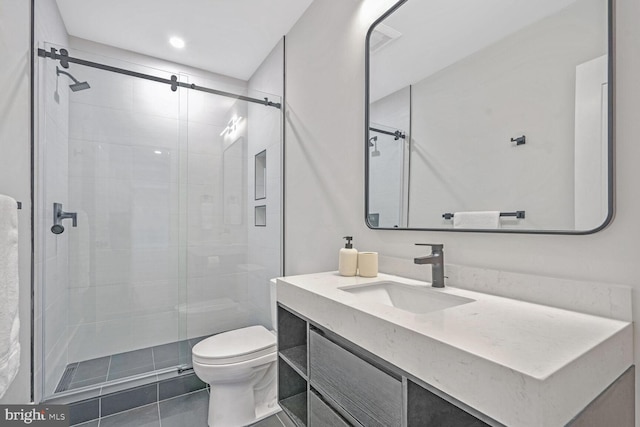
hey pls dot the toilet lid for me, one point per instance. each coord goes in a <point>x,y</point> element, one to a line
<point>235,346</point>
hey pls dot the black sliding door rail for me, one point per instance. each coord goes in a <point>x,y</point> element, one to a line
<point>65,59</point>
<point>397,134</point>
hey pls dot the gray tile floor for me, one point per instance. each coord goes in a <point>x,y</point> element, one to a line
<point>189,410</point>
<point>108,368</point>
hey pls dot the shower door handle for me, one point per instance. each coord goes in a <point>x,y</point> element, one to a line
<point>59,215</point>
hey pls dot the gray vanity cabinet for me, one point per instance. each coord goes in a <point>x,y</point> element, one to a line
<point>373,397</point>
<point>326,381</point>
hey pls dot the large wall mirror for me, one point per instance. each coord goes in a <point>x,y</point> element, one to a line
<point>491,115</point>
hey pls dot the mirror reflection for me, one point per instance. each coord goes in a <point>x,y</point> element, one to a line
<point>490,115</point>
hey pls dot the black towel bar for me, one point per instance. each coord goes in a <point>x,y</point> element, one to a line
<point>517,214</point>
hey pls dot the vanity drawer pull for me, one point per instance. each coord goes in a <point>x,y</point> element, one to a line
<point>371,396</point>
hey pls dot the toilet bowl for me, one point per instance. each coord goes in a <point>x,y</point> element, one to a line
<point>240,367</point>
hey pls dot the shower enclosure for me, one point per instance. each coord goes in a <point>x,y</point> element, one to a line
<point>145,236</point>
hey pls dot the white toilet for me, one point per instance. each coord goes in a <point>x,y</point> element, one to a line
<point>240,367</point>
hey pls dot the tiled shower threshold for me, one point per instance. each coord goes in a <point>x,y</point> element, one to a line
<point>116,368</point>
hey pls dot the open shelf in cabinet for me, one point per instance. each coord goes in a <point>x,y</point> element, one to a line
<point>292,393</point>
<point>292,340</point>
<point>296,357</point>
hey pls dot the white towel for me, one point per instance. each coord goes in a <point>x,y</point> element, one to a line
<point>9,320</point>
<point>477,220</point>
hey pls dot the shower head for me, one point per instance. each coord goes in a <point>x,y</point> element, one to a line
<point>372,140</point>
<point>77,85</point>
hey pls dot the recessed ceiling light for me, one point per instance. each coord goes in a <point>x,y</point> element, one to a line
<point>176,42</point>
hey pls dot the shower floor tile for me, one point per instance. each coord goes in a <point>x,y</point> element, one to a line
<point>131,360</point>
<point>91,369</point>
<point>86,383</point>
<point>103,369</point>
<point>118,374</point>
<point>168,355</point>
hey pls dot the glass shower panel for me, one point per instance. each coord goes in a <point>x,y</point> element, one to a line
<point>112,286</point>
<point>229,264</point>
<point>216,237</point>
<point>165,252</point>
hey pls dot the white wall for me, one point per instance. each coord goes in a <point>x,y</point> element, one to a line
<point>325,156</point>
<point>15,159</point>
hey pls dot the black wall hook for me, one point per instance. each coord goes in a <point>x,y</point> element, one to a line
<point>520,140</point>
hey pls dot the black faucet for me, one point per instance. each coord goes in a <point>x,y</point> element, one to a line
<point>436,259</point>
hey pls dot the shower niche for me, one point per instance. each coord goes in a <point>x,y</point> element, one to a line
<point>261,175</point>
<point>260,189</point>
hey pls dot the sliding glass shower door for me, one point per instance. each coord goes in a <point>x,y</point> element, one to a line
<point>113,286</point>
<point>171,243</point>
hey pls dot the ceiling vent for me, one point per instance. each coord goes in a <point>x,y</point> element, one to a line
<point>381,36</point>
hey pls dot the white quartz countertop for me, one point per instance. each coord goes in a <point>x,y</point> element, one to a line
<point>517,362</point>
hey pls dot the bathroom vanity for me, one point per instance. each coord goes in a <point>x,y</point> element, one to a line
<point>390,351</point>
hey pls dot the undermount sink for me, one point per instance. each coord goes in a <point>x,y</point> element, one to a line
<point>418,300</point>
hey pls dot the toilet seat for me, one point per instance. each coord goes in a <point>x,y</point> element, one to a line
<point>235,346</point>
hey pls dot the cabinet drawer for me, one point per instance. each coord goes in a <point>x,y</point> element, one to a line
<point>373,397</point>
<point>323,415</point>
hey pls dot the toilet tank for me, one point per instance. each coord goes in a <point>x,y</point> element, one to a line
<point>273,304</point>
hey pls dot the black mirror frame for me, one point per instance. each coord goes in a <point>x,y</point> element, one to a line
<point>610,137</point>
